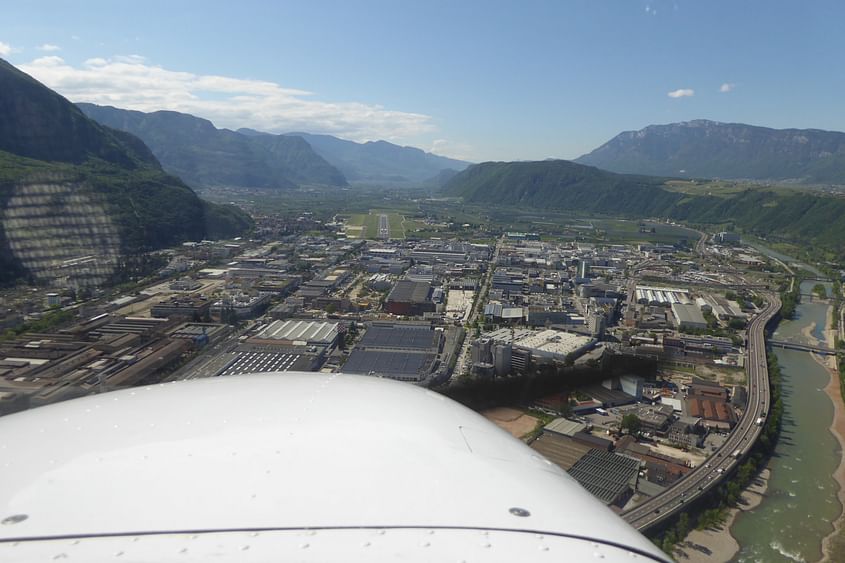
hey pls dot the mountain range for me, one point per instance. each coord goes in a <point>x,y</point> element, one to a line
<point>205,156</point>
<point>70,187</point>
<point>709,149</point>
<point>380,162</point>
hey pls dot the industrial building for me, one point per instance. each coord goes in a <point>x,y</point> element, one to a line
<point>560,450</point>
<point>653,418</point>
<point>661,295</point>
<point>267,362</point>
<point>201,334</point>
<point>688,316</point>
<point>564,427</point>
<point>661,470</point>
<point>298,333</point>
<point>703,344</point>
<point>100,354</point>
<point>513,351</point>
<point>714,413</point>
<point>410,298</point>
<point>407,352</point>
<point>184,307</point>
<point>241,305</point>
<point>610,477</point>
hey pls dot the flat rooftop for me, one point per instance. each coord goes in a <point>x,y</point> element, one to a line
<point>407,291</point>
<point>399,338</point>
<point>386,363</point>
<point>564,426</point>
<point>553,341</point>
<point>560,450</point>
<point>605,475</point>
<point>302,330</point>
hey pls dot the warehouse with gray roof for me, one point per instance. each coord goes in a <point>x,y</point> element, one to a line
<point>403,351</point>
<point>610,477</point>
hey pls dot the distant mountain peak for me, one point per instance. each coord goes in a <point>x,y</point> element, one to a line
<point>711,149</point>
<point>381,162</point>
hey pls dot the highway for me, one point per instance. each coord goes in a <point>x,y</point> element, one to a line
<point>706,476</point>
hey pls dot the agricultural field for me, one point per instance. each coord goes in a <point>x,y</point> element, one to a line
<point>721,188</point>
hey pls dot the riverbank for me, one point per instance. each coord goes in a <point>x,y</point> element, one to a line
<point>833,545</point>
<point>717,544</point>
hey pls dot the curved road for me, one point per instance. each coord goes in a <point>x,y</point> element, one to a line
<point>704,477</point>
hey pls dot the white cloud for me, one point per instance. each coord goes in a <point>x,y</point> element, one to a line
<point>681,93</point>
<point>132,82</point>
<point>48,48</point>
<point>5,49</point>
<point>726,87</point>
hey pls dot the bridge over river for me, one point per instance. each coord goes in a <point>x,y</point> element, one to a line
<point>803,347</point>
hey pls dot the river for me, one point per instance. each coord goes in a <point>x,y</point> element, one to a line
<point>789,260</point>
<point>800,505</point>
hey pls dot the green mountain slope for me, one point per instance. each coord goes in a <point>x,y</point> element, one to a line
<point>708,149</point>
<point>558,183</point>
<point>37,123</point>
<point>791,214</point>
<point>203,155</point>
<point>73,192</point>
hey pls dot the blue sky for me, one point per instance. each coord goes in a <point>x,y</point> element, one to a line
<point>491,80</point>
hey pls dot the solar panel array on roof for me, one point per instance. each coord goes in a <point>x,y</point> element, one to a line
<point>263,362</point>
<point>605,475</point>
<point>410,292</point>
<point>400,364</point>
<point>398,338</point>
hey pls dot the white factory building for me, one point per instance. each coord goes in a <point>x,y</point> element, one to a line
<point>662,295</point>
<point>512,351</point>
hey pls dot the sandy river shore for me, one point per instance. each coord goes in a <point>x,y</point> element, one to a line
<point>717,544</point>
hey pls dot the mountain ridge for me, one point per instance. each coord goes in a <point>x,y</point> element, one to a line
<point>704,148</point>
<point>205,156</point>
<point>380,161</point>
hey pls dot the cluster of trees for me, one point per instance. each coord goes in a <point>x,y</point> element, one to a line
<point>790,299</point>
<point>631,423</point>
<point>48,321</point>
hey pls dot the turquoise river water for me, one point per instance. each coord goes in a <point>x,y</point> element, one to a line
<point>800,504</point>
